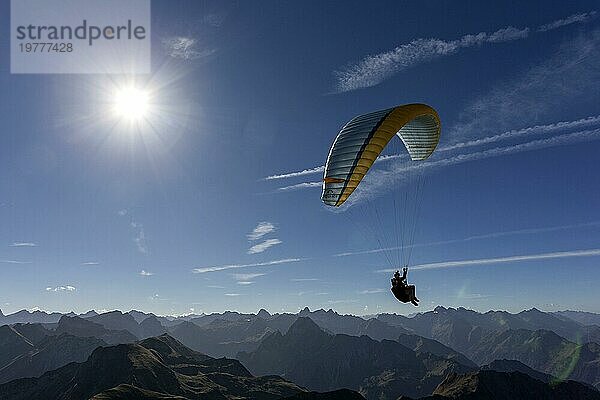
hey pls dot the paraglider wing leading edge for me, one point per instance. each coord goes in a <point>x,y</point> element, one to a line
<point>362,140</point>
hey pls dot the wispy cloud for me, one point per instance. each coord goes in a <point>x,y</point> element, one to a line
<point>372,291</point>
<point>245,282</point>
<point>90,263</point>
<point>379,180</point>
<point>374,69</point>
<point>570,76</point>
<point>157,297</point>
<point>529,131</point>
<point>343,301</point>
<point>203,270</point>
<point>299,186</point>
<point>263,228</point>
<point>308,171</point>
<point>185,48</point>
<point>504,136</point>
<point>246,277</point>
<point>500,260</point>
<point>260,247</point>
<point>140,237</point>
<point>215,287</point>
<point>579,18</point>
<point>145,273</point>
<point>232,294</point>
<point>14,262</point>
<point>491,235</point>
<point>22,244</point>
<point>66,288</point>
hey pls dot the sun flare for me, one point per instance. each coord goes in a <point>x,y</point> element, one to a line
<point>131,103</point>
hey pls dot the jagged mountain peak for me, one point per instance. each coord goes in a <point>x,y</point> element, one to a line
<point>264,314</point>
<point>304,327</point>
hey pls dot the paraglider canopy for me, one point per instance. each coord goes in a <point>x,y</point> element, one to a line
<point>362,140</point>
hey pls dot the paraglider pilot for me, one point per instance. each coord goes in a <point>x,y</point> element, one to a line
<point>403,291</point>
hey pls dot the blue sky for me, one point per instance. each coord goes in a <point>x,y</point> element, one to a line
<point>246,91</point>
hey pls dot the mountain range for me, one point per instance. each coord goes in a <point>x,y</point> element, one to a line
<point>381,357</point>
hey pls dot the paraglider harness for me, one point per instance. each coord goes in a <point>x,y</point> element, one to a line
<point>403,291</point>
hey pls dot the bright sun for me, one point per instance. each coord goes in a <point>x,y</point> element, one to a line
<point>131,103</point>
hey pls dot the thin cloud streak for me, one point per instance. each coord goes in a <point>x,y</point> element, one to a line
<point>67,288</point>
<point>501,260</point>
<point>378,179</point>
<point>14,262</point>
<point>518,133</point>
<point>22,244</point>
<point>246,277</point>
<point>508,135</point>
<point>579,18</point>
<point>372,291</point>
<point>260,247</point>
<point>372,70</point>
<point>492,235</point>
<point>203,270</point>
<point>382,180</point>
<point>309,171</point>
<point>263,228</point>
<point>303,185</point>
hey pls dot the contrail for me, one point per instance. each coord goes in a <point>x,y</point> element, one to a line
<point>374,69</point>
<point>203,270</point>
<point>383,178</point>
<point>389,178</point>
<point>500,260</point>
<point>527,231</point>
<point>509,135</point>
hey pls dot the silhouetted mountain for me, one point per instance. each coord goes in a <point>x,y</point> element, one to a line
<point>420,344</point>
<point>342,394</point>
<point>12,345</point>
<point>222,338</point>
<point>160,365</point>
<point>584,318</point>
<point>117,321</point>
<point>51,353</point>
<point>517,366</point>
<point>25,316</point>
<point>130,392</point>
<point>461,328</point>
<point>35,333</point>
<point>226,334</point>
<point>139,316</point>
<point>378,369</point>
<point>85,328</point>
<point>544,351</point>
<point>493,385</point>
<point>150,327</point>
